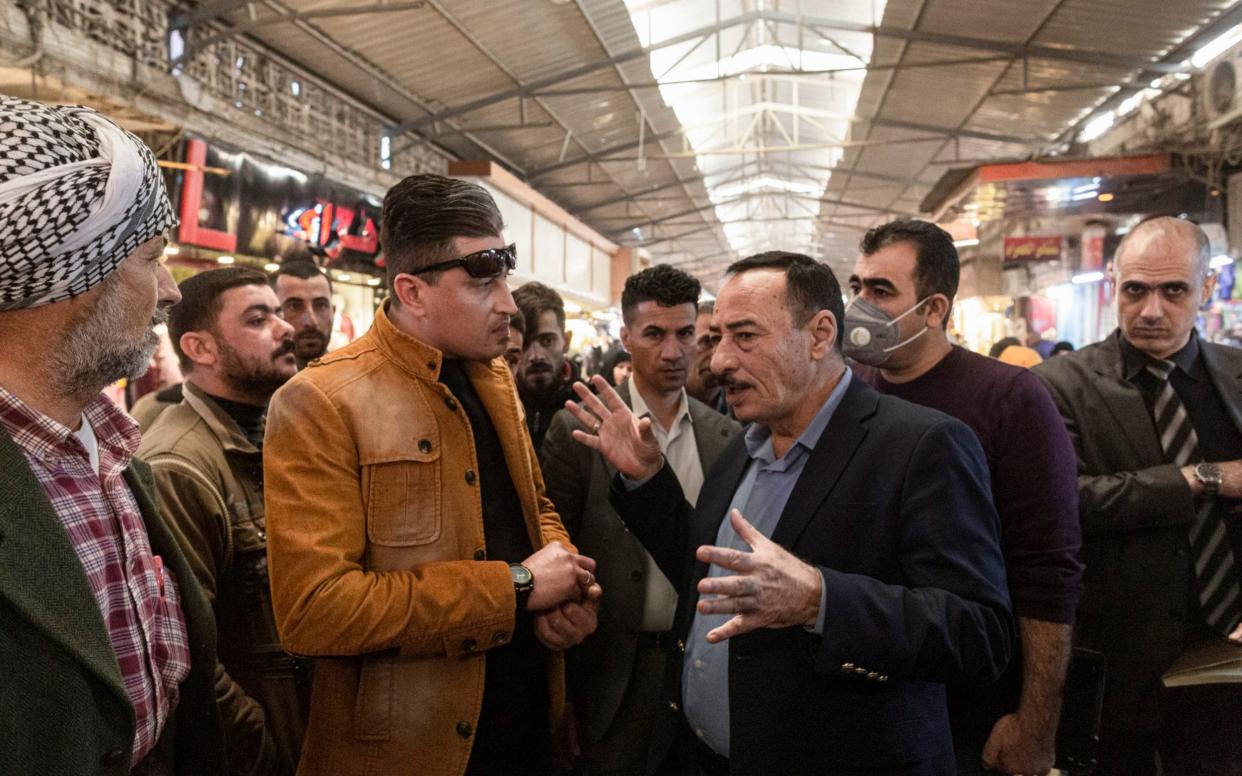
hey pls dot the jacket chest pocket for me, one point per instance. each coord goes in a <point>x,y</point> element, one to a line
<point>403,498</point>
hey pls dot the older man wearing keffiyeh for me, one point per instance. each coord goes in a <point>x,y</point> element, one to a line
<point>106,640</point>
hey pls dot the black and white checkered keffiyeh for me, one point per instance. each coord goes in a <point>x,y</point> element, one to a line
<point>77,195</point>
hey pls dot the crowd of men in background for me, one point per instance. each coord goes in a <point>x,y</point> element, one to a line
<point>777,534</point>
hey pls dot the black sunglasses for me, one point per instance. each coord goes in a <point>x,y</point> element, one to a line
<point>493,262</point>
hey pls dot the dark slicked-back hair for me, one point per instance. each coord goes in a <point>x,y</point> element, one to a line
<point>423,213</point>
<point>303,270</point>
<point>937,267</point>
<point>665,285</point>
<point>533,299</point>
<point>200,303</point>
<point>810,285</point>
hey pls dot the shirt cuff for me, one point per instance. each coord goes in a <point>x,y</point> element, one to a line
<point>636,484</point>
<point>818,630</point>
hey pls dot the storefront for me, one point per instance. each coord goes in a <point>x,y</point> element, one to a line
<point>1046,234</point>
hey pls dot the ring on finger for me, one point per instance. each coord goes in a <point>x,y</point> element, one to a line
<point>595,428</point>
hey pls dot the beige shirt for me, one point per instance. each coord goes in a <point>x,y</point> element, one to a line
<point>682,453</point>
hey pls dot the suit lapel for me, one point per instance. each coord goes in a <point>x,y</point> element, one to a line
<point>711,434</point>
<point>40,574</point>
<point>1227,377</point>
<point>715,497</point>
<point>1124,401</point>
<point>832,453</point>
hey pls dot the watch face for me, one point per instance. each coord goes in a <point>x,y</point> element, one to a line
<point>521,575</point>
<point>1208,472</point>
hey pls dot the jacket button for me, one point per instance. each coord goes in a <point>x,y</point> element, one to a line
<point>424,445</point>
<point>1180,552</point>
<point>681,645</point>
<point>451,403</point>
<point>431,365</point>
<point>636,575</point>
<point>112,757</point>
<point>464,729</point>
<point>469,645</point>
<point>872,675</point>
<point>882,678</point>
<point>847,667</point>
<point>500,637</point>
<point>480,554</point>
<point>672,706</point>
<point>470,476</point>
<point>860,671</point>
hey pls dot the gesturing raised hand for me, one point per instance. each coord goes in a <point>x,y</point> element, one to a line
<point>626,441</point>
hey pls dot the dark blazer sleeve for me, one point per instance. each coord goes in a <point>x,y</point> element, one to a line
<point>659,515</point>
<point>951,618</point>
<point>1136,498</point>
<point>566,466</point>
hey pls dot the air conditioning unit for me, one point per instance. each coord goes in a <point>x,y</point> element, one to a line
<point>1221,87</point>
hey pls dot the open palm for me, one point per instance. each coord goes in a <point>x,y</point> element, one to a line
<point>625,440</point>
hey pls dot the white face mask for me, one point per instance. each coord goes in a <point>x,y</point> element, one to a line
<point>871,334</point>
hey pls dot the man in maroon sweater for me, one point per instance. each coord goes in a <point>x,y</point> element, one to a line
<point>903,287</point>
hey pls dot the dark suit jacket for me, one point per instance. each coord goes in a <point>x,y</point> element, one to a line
<point>63,707</point>
<point>893,507</point>
<point>577,480</point>
<point>1136,512</point>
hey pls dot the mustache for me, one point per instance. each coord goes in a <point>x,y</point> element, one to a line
<point>729,381</point>
<point>285,349</point>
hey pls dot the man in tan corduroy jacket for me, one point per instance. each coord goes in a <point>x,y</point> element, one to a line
<point>411,548</point>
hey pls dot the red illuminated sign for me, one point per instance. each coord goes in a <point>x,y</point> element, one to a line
<point>1032,249</point>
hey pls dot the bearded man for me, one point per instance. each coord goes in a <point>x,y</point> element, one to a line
<point>107,641</point>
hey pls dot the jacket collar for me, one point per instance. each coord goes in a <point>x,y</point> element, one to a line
<point>223,427</point>
<point>409,354</point>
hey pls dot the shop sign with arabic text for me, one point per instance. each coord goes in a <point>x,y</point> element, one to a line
<point>1032,249</point>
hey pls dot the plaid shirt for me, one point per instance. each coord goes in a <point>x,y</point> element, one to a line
<point>136,595</point>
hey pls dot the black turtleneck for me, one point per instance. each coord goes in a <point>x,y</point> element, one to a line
<point>249,417</point>
<point>514,717</point>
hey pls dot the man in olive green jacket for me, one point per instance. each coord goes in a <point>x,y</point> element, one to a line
<point>206,455</point>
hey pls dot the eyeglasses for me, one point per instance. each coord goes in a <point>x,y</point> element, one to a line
<point>491,263</point>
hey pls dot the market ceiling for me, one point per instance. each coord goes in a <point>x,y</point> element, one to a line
<point>704,130</point>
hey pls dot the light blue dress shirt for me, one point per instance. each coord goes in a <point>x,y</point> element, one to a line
<point>761,498</point>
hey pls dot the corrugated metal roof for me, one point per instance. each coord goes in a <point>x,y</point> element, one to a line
<point>909,121</point>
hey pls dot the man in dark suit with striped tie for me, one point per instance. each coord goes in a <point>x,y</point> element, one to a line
<point>1155,413</point>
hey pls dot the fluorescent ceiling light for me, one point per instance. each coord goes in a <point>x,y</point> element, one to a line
<point>1217,46</point>
<point>225,259</point>
<point>1221,261</point>
<point>965,243</point>
<point>1087,277</point>
<point>765,183</point>
<point>1097,127</point>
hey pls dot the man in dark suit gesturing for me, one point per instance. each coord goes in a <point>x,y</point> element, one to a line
<point>819,628</point>
<point>1155,415</point>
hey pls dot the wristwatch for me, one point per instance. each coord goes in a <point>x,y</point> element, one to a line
<point>523,584</point>
<point>1208,475</point>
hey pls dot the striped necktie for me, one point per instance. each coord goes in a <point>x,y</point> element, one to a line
<point>1216,572</point>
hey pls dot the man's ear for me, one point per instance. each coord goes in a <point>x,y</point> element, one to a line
<point>823,328</point>
<point>625,338</point>
<point>569,335</point>
<point>937,309</point>
<point>1209,285</point>
<point>200,347</point>
<point>411,293</point>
